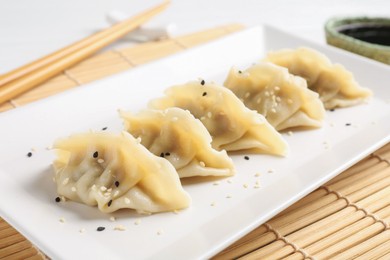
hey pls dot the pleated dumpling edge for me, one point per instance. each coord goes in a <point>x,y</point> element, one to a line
<point>232,126</point>
<point>179,137</point>
<point>336,85</point>
<point>281,97</point>
<point>114,172</point>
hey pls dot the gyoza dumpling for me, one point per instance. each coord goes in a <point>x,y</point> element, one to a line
<point>336,86</point>
<point>281,97</point>
<point>182,139</point>
<point>232,126</point>
<point>115,172</point>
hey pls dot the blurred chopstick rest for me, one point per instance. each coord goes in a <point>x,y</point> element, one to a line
<point>144,33</point>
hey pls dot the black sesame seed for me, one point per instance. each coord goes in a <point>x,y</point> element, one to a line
<point>246,157</point>
<point>167,154</point>
<point>348,124</point>
<point>117,183</point>
<point>331,110</point>
<point>95,154</point>
<point>29,154</point>
<point>58,199</point>
<point>109,203</point>
<point>161,154</point>
<point>104,128</point>
<point>202,82</point>
<point>100,228</point>
<point>240,71</point>
<point>204,94</point>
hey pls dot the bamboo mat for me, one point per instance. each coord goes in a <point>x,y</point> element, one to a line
<point>345,218</point>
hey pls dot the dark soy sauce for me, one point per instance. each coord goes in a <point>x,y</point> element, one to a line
<point>377,34</point>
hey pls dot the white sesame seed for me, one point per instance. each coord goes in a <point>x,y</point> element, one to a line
<point>247,94</point>
<point>116,193</point>
<point>138,140</point>
<point>100,160</point>
<point>73,189</point>
<point>160,232</point>
<point>273,110</point>
<point>256,186</point>
<point>202,118</point>
<point>258,100</point>
<point>103,188</point>
<point>276,88</point>
<point>109,190</point>
<point>107,194</point>
<point>93,187</point>
<point>209,114</point>
<point>229,181</point>
<point>120,228</point>
<point>289,133</point>
<point>137,222</point>
<point>270,170</point>
<point>327,146</point>
<point>216,183</point>
<point>228,196</point>
<point>266,94</point>
<point>82,230</point>
<point>176,211</point>
<point>257,174</point>
<point>245,185</point>
<point>212,204</point>
<point>62,220</point>
<point>65,181</point>
<point>62,198</point>
<point>127,200</point>
<point>112,218</point>
<point>278,99</point>
<point>202,164</point>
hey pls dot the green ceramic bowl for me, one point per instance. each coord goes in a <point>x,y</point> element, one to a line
<point>366,36</point>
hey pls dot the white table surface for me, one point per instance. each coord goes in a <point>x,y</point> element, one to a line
<point>30,29</point>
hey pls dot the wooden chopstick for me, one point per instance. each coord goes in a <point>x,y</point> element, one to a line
<point>20,80</point>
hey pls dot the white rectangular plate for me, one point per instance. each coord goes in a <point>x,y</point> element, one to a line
<point>27,190</point>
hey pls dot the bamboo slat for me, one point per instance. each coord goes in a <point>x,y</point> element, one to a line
<point>346,218</point>
<point>26,77</point>
<point>24,253</point>
<point>9,231</point>
<point>15,248</point>
<point>111,62</point>
<point>378,251</point>
<point>366,163</point>
<point>308,235</point>
<point>365,246</point>
<point>367,188</point>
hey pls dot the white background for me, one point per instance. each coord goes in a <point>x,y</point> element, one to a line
<point>30,29</point>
